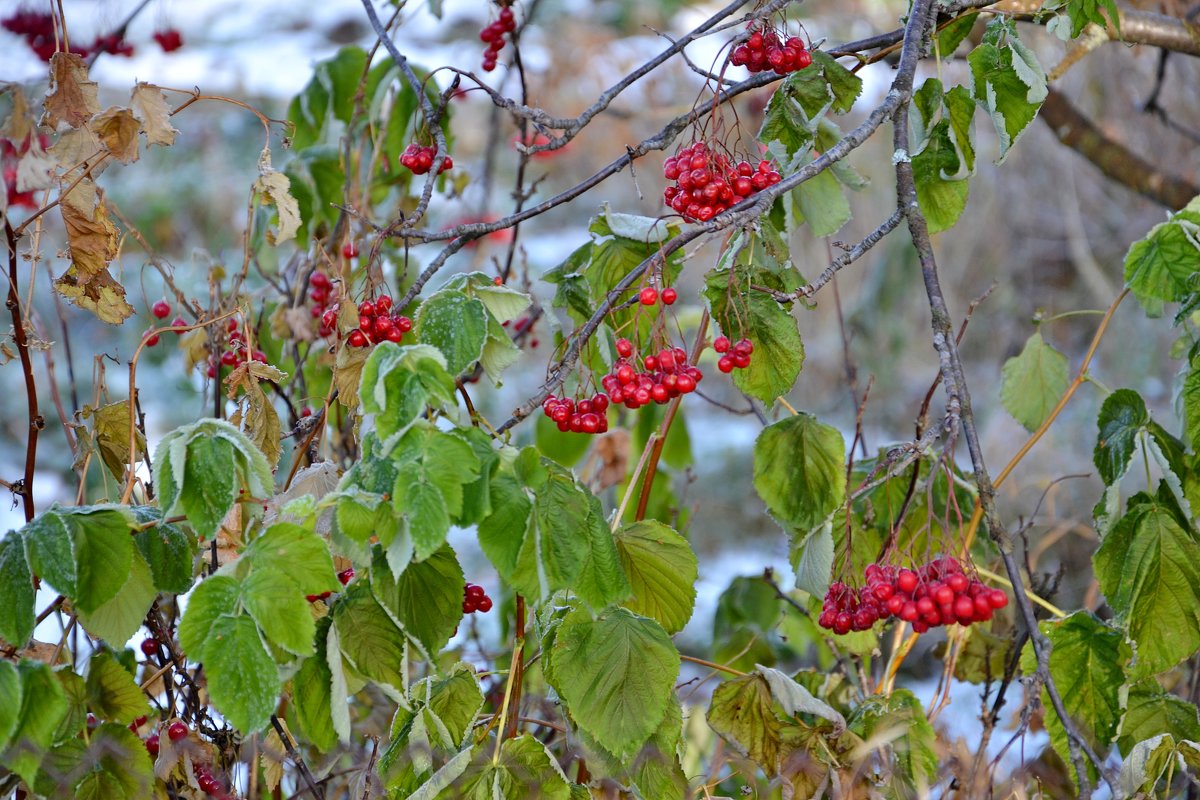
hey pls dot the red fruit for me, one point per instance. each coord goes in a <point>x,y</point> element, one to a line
<point>721,344</point>
<point>926,606</point>
<point>896,603</point>
<point>346,575</point>
<point>168,39</point>
<point>150,338</point>
<point>958,582</point>
<point>744,346</point>
<point>403,324</point>
<point>176,731</point>
<point>741,360</point>
<point>600,403</point>
<point>648,296</point>
<point>651,363</point>
<point>178,322</point>
<point>229,358</point>
<point>92,722</point>
<point>383,304</point>
<point>366,309</point>
<point>208,784</point>
<point>906,581</point>
<point>625,374</point>
<point>484,604</point>
<point>919,626</point>
<point>137,723</point>
<point>149,647</point>
<point>306,412</point>
<point>942,594</point>
<point>964,608</point>
<point>659,394</point>
<point>152,744</point>
<point>842,623</point>
<point>624,348</point>
<point>357,338</point>
<point>474,591</point>
<point>669,296</point>
<point>349,249</point>
<point>685,384</point>
<point>998,599</point>
<point>883,591</point>
<point>161,309</point>
<point>725,364</point>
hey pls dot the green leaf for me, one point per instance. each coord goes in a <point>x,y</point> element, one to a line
<point>456,325</point>
<point>564,447</point>
<point>118,766</point>
<point>425,599</point>
<point>312,698</point>
<point>216,596</point>
<point>1163,265</point>
<point>209,489</point>
<point>601,581</point>
<point>16,586</point>
<point>117,619</point>
<point>277,604</point>
<point>553,553</point>
<point>399,383</point>
<point>804,98</point>
<point>952,35</point>
<point>811,556</point>
<point>242,678</point>
<point>799,470</point>
<point>655,771</point>
<point>941,193</point>
<point>424,506</point>
<point>1032,382</point>
<point>771,328</point>
<point>616,675</point>
<point>795,699</point>
<point>1190,398</point>
<point>370,640</point>
<point>1080,13</point>
<point>1087,663</point>
<point>511,509</point>
<point>10,702</point>
<point>1151,711</point>
<point>112,692</point>
<point>1009,83</point>
<point>168,549</point>
<point>299,552</point>
<point>43,705</point>
<point>1148,567</point>
<point>1122,416</point>
<point>75,689</point>
<point>1145,765</point>
<point>742,711</point>
<point>822,203</point>
<point>317,182</point>
<point>502,302</point>
<point>524,769</point>
<point>662,570</point>
<point>83,552</point>
<point>899,718</point>
<point>328,96</point>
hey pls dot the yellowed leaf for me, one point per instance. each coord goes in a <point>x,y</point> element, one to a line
<point>101,295</point>
<point>194,345</point>
<point>150,107</point>
<point>111,430</point>
<point>262,425</point>
<point>73,148</point>
<point>72,98</point>
<point>273,187</point>
<point>118,130</point>
<point>293,323</point>
<point>91,235</point>
<point>613,451</point>
<point>273,756</point>
<point>347,370</point>
<point>19,124</point>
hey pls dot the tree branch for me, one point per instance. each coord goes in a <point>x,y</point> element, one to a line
<point>36,422</point>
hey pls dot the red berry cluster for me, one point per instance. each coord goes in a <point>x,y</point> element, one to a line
<point>733,356</point>
<point>169,39</point>
<point>37,28</point>
<point>236,352</point>
<point>207,783</point>
<point>662,377</point>
<point>493,36</point>
<point>475,599</point>
<point>707,183</point>
<point>649,296</point>
<point>765,50</point>
<point>939,593</point>
<point>419,159</point>
<point>376,324</point>
<point>325,301</point>
<point>578,416</point>
<point>345,576</point>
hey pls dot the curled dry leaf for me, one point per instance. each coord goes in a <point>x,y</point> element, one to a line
<point>273,187</point>
<point>613,451</point>
<point>111,436</point>
<point>347,370</point>
<point>118,130</point>
<point>35,170</point>
<point>72,98</point>
<point>150,107</point>
<point>19,124</point>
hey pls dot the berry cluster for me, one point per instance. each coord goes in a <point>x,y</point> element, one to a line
<point>707,183</point>
<point>161,310</point>
<point>493,36</point>
<point>37,28</point>
<point>475,599</point>
<point>376,325</point>
<point>649,296</point>
<point>236,352</point>
<point>207,783</point>
<point>939,593</point>
<point>662,377</point>
<point>325,301</point>
<point>764,50</point>
<point>168,39</point>
<point>419,159</point>
<point>733,356</point>
<point>345,576</point>
<point>578,416</point>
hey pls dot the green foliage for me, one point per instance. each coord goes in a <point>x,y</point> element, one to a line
<point>1009,82</point>
<point>1033,382</point>
<point>943,151</point>
<point>1078,14</point>
<point>1161,267</point>
<point>662,571</point>
<point>425,599</point>
<point>16,613</point>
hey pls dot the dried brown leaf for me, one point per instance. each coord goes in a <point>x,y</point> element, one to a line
<point>111,430</point>
<point>293,323</point>
<point>273,756</point>
<point>118,129</point>
<point>347,370</point>
<point>101,295</point>
<point>35,170</point>
<point>194,345</point>
<point>72,97</point>
<point>91,235</point>
<point>150,107</point>
<point>613,451</point>
<point>74,148</point>
<point>273,187</point>
<point>19,124</point>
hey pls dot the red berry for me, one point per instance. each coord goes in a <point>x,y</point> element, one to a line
<point>686,384</point>
<point>176,731</point>
<point>474,591</point>
<point>349,249</point>
<point>357,338</point>
<point>669,296</point>
<point>149,647</point>
<point>958,582</point>
<point>624,348</point>
<point>403,324</point>
<point>725,364</point>
<point>998,599</point>
<point>346,575</point>
<point>484,604</point>
<point>942,594</point>
<point>964,608</point>
<point>909,613</point>
<point>721,344</point>
<point>906,581</point>
<point>648,296</point>
<point>169,39</point>
<point>161,309</point>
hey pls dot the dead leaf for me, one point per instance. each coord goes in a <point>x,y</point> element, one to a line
<point>74,148</point>
<point>118,130</point>
<point>150,107</point>
<point>111,436</point>
<point>35,170</point>
<point>613,451</point>
<point>273,187</point>
<point>91,235</point>
<point>316,481</point>
<point>101,295</point>
<point>347,370</point>
<point>293,323</point>
<point>19,124</point>
<point>72,98</point>
<point>273,756</point>
<point>194,345</point>
<point>257,416</point>
<point>41,651</point>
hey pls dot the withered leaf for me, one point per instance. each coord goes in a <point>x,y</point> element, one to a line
<point>150,107</point>
<point>258,419</point>
<point>74,148</point>
<point>118,130</point>
<point>347,370</point>
<point>273,187</point>
<point>35,170</point>
<point>111,427</point>
<point>19,124</point>
<point>72,97</point>
<point>194,345</point>
<point>91,235</point>
<point>100,294</point>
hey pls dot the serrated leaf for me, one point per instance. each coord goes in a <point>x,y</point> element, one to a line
<point>214,597</point>
<point>511,509</point>
<point>297,551</point>
<point>1148,567</point>
<point>10,702</point>
<point>601,580</point>
<point>272,188</point>
<point>118,618</point>
<point>1009,83</point>
<point>1151,711</point>
<point>209,484</point>
<point>1081,13</point>
<point>811,556</point>
<point>822,203</point>
<point>84,552</point>
<point>312,698</point>
<point>524,768</point>
<point>1162,265</point>
<point>277,604</point>
<point>399,383</point>
<point>941,194</point>
<point>742,712</point>
<point>900,719</point>
<point>662,571</point>
<point>242,678</point>
<point>73,96</point>
<point>795,699</point>
<point>43,705</point>
<point>168,549</point>
<point>16,586</point>
<point>564,447</point>
<point>456,325</point>
<point>1122,416</point>
<point>1087,662</point>
<point>502,302</point>
<point>369,639</point>
<point>553,553</point>
<point>1031,383</point>
<point>112,692</point>
<point>328,96</point>
<point>426,598</point>
<point>799,470</point>
<point>424,507</point>
<point>118,130</point>
<point>616,675</point>
<point>150,107</point>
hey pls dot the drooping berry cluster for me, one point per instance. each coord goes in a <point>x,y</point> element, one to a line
<point>376,324</point>
<point>765,50</point>
<point>648,296</point>
<point>733,356</point>
<point>419,159</point>
<point>37,28</point>
<point>207,782</point>
<point>707,183</point>
<point>938,593</point>
<point>493,36</point>
<point>663,376</point>
<point>325,302</point>
<point>475,599</point>
<point>588,415</point>
<point>236,352</point>
<point>169,39</point>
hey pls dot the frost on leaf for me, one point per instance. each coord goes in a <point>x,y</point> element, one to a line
<point>92,240</point>
<point>72,98</point>
<point>273,187</point>
<point>151,109</point>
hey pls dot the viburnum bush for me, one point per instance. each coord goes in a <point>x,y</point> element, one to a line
<point>385,563</point>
